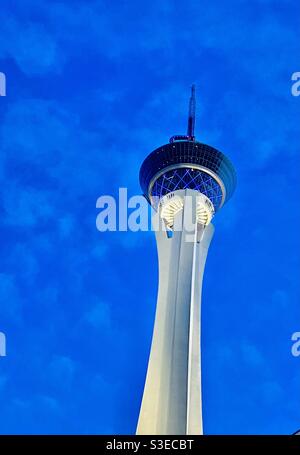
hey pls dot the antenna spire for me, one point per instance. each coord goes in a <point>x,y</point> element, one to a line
<point>192,112</point>
<point>190,136</point>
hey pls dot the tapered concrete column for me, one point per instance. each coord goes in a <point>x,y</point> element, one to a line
<point>172,402</point>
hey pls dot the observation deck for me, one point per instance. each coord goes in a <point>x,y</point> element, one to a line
<point>187,164</point>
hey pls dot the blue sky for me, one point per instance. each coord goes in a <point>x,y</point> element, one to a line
<point>92,88</point>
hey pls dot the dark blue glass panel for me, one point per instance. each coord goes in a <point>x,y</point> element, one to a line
<point>193,179</point>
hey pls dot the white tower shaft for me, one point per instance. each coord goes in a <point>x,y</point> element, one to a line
<point>172,403</point>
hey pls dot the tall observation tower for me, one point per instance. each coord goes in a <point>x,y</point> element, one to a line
<point>186,182</point>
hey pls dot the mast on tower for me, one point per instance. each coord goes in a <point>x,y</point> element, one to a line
<point>192,114</point>
<point>190,136</point>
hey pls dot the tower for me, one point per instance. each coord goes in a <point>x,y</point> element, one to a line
<point>186,182</point>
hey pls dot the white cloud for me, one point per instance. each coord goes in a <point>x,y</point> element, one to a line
<point>32,47</point>
<point>99,315</point>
